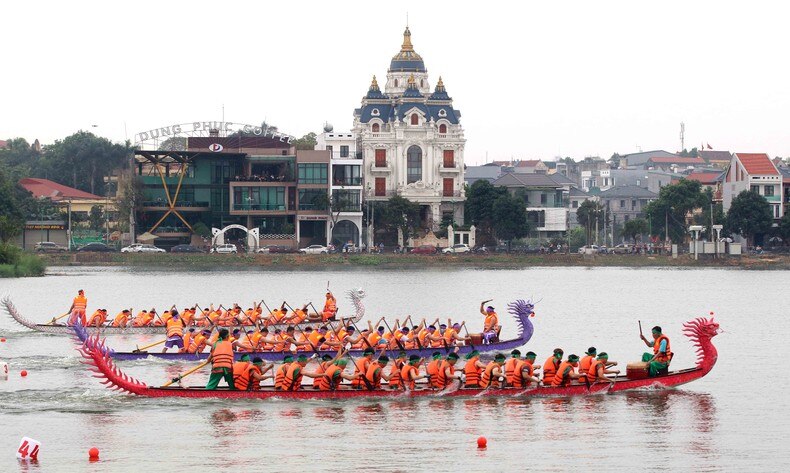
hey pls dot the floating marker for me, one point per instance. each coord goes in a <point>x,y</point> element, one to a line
<point>482,442</point>
<point>23,373</point>
<point>93,454</point>
<point>28,449</point>
<point>2,339</point>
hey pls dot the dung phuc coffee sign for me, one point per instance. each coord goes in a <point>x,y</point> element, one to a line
<point>204,128</point>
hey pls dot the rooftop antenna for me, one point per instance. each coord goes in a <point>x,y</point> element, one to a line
<point>682,136</point>
<point>407,19</point>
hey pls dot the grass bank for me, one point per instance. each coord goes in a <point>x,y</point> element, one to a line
<point>16,264</point>
<point>392,261</point>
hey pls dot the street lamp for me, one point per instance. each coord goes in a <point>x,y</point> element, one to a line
<point>696,229</point>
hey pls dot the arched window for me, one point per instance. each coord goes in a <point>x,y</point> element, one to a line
<point>413,164</point>
<point>442,128</point>
<point>375,128</point>
<point>422,83</point>
<point>396,82</point>
<point>415,119</point>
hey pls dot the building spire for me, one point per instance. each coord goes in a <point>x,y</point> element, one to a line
<point>440,85</point>
<point>411,81</point>
<point>374,85</point>
<point>406,46</point>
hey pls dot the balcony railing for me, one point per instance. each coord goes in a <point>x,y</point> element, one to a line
<point>179,203</point>
<point>288,177</point>
<point>350,181</point>
<point>253,207</point>
<point>451,194</point>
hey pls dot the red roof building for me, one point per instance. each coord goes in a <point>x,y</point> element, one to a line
<point>54,191</point>
<point>754,172</point>
<point>757,163</point>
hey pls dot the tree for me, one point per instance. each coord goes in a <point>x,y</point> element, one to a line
<point>21,160</point>
<point>634,228</point>
<point>614,161</point>
<point>749,215</point>
<point>96,218</point>
<point>588,214</point>
<point>704,217</point>
<point>510,218</point>
<point>784,227</point>
<point>308,141</point>
<point>578,238</point>
<point>12,208</point>
<point>478,208</point>
<point>398,212</point>
<point>83,160</point>
<point>675,202</point>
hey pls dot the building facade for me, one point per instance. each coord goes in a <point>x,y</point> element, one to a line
<point>757,173</point>
<point>345,191</point>
<point>411,141</point>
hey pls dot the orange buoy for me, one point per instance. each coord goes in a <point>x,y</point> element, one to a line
<point>482,442</point>
<point>93,453</point>
<point>23,373</point>
<point>2,339</point>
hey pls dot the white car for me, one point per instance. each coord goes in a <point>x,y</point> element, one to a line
<point>140,248</point>
<point>227,248</point>
<point>314,250</point>
<point>133,248</point>
<point>456,249</point>
<point>594,249</point>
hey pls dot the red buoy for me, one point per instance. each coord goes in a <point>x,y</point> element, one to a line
<point>2,339</point>
<point>482,442</point>
<point>93,453</point>
<point>23,373</point>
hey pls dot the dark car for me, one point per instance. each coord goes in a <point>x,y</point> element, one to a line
<point>424,250</point>
<point>278,249</point>
<point>186,249</point>
<point>96,247</point>
<point>481,250</point>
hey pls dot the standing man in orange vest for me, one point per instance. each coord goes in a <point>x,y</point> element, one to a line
<point>221,359</point>
<point>175,332</point>
<point>330,307</point>
<point>490,324</point>
<point>78,308</point>
<point>658,361</point>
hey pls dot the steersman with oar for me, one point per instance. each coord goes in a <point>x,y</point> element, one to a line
<point>221,359</point>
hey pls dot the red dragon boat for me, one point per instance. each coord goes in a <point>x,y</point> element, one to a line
<point>355,295</point>
<point>700,331</point>
<point>520,310</point>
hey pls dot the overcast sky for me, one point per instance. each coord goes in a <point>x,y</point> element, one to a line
<point>532,79</point>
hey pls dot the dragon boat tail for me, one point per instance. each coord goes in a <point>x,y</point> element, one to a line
<point>700,331</point>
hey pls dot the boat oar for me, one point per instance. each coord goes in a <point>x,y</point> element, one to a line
<point>138,349</point>
<point>184,375</point>
<point>395,336</point>
<point>55,319</point>
<point>468,336</point>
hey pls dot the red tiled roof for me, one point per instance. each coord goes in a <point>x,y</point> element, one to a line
<point>53,190</point>
<point>757,163</point>
<point>705,177</point>
<point>528,163</point>
<point>3,143</point>
<point>679,160</point>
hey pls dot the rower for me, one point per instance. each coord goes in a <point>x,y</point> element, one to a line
<point>361,365</point>
<point>493,372</point>
<point>658,362</point>
<point>375,373</point>
<point>295,373</point>
<point>299,315</point>
<point>279,376</point>
<point>258,373</point>
<point>122,319</point>
<point>490,323</point>
<point>447,372</point>
<point>221,359</point>
<point>432,369</point>
<point>473,369</point>
<point>395,381</point>
<point>334,375</point>
<point>247,341</point>
<point>198,343</point>
<point>402,340</point>
<point>566,373</point>
<point>98,318</point>
<point>510,366</point>
<point>187,339</point>
<point>187,316</point>
<point>277,315</point>
<point>585,363</point>
<point>323,365</point>
<point>375,337</point>
<point>175,332</point>
<point>411,372</point>
<point>598,370</point>
<point>317,337</point>
<point>78,307</point>
<point>523,375</point>
<point>551,365</point>
<point>241,373</point>
<point>430,337</point>
<point>330,307</point>
<point>452,335</point>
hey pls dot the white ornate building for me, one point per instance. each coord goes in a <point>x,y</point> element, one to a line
<point>411,140</point>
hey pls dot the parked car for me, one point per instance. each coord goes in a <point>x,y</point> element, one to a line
<point>227,248</point>
<point>49,247</point>
<point>424,250</point>
<point>592,248</point>
<point>622,249</point>
<point>481,250</point>
<point>141,248</point>
<point>275,249</point>
<point>457,249</point>
<point>96,247</point>
<point>186,249</point>
<point>314,250</point>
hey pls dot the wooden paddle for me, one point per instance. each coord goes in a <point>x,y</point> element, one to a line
<point>184,375</point>
<point>138,349</point>
<point>400,345</point>
<point>55,319</point>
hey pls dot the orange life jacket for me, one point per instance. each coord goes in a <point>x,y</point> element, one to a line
<point>518,373</point>
<point>330,308</point>
<point>442,380</point>
<point>293,377</point>
<point>241,375</point>
<point>592,371</point>
<point>550,369</point>
<point>486,378</point>
<point>222,355</point>
<point>197,344</point>
<point>449,336</point>
<point>175,327</point>
<point>584,367</point>
<point>510,370</point>
<point>472,371</point>
<point>661,357</point>
<point>187,317</point>
<point>433,371</point>
<point>299,316</point>
<point>120,320</point>
<point>97,319</point>
<point>253,384</point>
<point>279,377</point>
<point>560,377</point>
<point>80,303</point>
<point>491,322</point>
<point>395,370</point>
<point>405,375</point>
<point>374,338</point>
<point>321,369</point>
<point>361,366</point>
<point>331,379</point>
<point>373,375</point>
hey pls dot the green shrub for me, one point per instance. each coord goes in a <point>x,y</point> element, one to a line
<point>9,254</point>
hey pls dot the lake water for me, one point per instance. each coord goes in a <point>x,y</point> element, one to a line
<point>735,419</point>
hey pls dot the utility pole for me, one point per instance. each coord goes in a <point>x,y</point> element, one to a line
<point>68,234</point>
<point>682,136</point>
